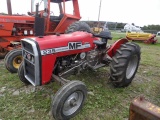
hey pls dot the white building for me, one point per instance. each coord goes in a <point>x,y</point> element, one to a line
<point>158,33</point>
<point>132,28</point>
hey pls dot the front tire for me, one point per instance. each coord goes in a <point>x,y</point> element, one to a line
<point>13,60</point>
<point>125,64</point>
<point>21,74</point>
<point>69,100</point>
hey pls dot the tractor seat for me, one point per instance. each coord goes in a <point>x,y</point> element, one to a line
<point>99,43</point>
<point>104,34</point>
<point>56,18</point>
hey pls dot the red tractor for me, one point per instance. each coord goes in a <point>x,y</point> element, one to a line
<point>46,17</point>
<point>55,57</point>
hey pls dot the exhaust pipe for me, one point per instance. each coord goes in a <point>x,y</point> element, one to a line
<point>9,7</point>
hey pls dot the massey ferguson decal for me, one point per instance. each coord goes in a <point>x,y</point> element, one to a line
<point>12,20</point>
<point>71,46</point>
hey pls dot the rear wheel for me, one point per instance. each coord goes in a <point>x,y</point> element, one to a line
<point>69,100</point>
<point>125,64</point>
<point>21,74</point>
<point>78,26</point>
<point>6,57</point>
<point>13,60</point>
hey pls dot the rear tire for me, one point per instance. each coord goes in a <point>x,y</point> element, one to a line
<point>78,26</point>
<point>21,74</point>
<point>69,100</point>
<point>6,57</point>
<point>13,60</point>
<point>125,64</point>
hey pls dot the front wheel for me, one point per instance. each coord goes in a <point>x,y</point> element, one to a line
<point>68,101</point>
<point>125,64</point>
<point>21,74</point>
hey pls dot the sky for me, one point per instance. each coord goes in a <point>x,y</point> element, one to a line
<point>139,12</point>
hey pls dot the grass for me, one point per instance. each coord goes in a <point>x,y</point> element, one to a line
<point>20,102</point>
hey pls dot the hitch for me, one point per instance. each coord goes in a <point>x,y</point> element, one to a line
<point>141,109</point>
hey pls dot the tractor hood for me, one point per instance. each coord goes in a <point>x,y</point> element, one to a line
<point>63,42</point>
<point>16,19</point>
<point>41,53</point>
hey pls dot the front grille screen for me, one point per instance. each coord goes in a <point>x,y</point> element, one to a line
<point>30,70</point>
<point>27,46</point>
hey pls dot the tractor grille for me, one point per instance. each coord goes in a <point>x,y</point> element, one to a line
<point>27,46</point>
<point>31,61</point>
<point>30,71</point>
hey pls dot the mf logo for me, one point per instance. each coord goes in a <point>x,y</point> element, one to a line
<point>74,45</point>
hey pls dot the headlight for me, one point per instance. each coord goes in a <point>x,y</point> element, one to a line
<point>32,59</point>
<point>29,57</point>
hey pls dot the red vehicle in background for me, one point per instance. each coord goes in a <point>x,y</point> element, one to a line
<point>45,18</point>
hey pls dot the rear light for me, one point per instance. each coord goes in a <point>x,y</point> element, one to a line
<point>25,32</point>
<point>31,32</point>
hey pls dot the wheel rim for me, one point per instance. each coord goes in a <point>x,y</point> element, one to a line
<point>72,103</point>
<point>17,61</point>
<point>132,66</point>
